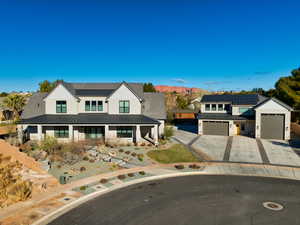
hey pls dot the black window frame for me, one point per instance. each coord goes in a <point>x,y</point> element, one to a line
<point>222,108</point>
<point>124,132</point>
<point>87,104</point>
<point>208,107</point>
<point>93,106</point>
<point>61,132</point>
<point>61,106</point>
<point>100,106</point>
<point>123,108</point>
<point>215,107</point>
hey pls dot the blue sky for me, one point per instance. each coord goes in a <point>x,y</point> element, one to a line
<point>212,44</point>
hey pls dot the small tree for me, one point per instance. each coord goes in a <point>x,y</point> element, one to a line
<point>181,102</point>
<point>49,144</point>
<point>15,103</point>
<point>149,87</point>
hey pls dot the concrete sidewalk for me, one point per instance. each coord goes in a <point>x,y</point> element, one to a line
<point>57,199</point>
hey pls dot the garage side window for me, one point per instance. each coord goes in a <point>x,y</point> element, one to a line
<point>207,107</point>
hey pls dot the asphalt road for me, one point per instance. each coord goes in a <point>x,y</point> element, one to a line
<point>189,200</point>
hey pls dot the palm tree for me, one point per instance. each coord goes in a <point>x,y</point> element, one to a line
<point>15,103</point>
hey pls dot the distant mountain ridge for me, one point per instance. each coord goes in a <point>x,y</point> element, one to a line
<point>178,89</point>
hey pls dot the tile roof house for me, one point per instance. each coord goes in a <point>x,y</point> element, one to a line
<point>249,114</point>
<point>111,111</point>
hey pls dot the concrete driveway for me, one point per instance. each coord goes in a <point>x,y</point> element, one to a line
<point>240,149</point>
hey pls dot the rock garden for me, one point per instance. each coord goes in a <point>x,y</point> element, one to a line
<point>72,161</point>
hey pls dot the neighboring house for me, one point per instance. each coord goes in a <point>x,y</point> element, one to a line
<point>5,113</point>
<point>78,111</point>
<point>252,115</point>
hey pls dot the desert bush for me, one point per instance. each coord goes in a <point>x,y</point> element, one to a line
<point>142,172</point>
<point>179,167</point>
<point>130,174</point>
<point>140,157</point>
<point>91,160</point>
<point>77,148</point>
<point>103,181</point>
<point>133,154</point>
<point>143,144</point>
<point>127,152</point>
<point>82,169</point>
<point>12,187</point>
<point>50,145</point>
<point>85,158</point>
<point>121,177</point>
<point>121,150</point>
<point>194,166</point>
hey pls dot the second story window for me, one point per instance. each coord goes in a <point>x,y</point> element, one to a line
<point>61,106</point>
<point>94,105</point>
<point>220,107</point>
<point>207,107</point>
<point>123,106</point>
<point>87,106</point>
<point>100,106</point>
<point>227,107</point>
<point>213,107</point>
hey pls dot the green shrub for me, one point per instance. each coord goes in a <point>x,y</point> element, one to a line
<point>142,173</point>
<point>49,144</point>
<point>83,188</point>
<point>85,158</point>
<point>168,132</point>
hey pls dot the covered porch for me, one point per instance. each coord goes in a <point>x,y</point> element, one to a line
<point>121,133</point>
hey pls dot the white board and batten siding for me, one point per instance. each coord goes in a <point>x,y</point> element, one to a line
<point>60,93</point>
<point>272,107</point>
<point>123,93</point>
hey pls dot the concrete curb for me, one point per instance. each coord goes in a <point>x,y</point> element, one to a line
<point>55,214</point>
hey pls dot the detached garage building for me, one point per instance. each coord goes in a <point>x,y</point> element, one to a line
<point>252,115</point>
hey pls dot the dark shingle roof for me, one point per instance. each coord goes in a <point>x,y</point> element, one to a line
<point>137,88</point>
<point>222,116</point>
<point>35,106</point>
<point>239,99</point>
<point>93,92</point>
<point>90,118</point>
<point>154,105</point>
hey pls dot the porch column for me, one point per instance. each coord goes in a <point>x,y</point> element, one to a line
<point>71,133</point>
<point>138,133</point>
<point>20,133</point>
<point>40,132</point>
<point>106,133</point>
<point>155,135</point>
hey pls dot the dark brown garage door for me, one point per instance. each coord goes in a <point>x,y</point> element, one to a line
<point>272,126</point>
<point>215,128</point>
